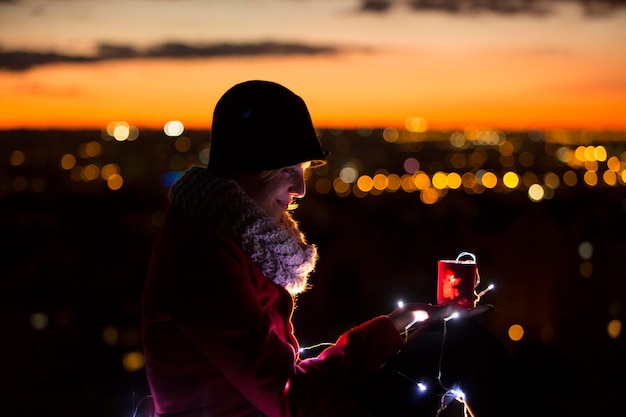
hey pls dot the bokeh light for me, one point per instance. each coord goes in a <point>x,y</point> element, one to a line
<point>17,158</point>
<point>68,161</point>
<point>411,165</point>
<point>535,192</point>
<point>614,328</point>
<point>115,182</point>
<point>516,332</point>
<point>348,174</point>
<point>133,361</point>
<point>510,179</point>
<point>174,128</point>
<point>39,320</point>
<point>416,124</point>
<point>585,250</point>
<point>586,269</point>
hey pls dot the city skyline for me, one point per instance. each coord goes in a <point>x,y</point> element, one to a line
<point>450,64</point>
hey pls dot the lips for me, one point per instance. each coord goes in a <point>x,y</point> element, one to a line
<point>284,204</point>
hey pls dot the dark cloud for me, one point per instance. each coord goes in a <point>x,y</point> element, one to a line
<point>23,60</point>
<point>535,7</point>
<point>375,5</point>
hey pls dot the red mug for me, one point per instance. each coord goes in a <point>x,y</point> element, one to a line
<point>457,281</point>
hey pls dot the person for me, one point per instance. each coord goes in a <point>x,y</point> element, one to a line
<point>219,294</point>
<point>225,270</point>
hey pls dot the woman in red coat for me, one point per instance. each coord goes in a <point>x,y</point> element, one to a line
<point>219,295</point>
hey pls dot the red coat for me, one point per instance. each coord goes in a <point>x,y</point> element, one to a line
<point>218,337</point>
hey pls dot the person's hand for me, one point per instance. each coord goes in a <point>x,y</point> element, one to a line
<point>411,314</point>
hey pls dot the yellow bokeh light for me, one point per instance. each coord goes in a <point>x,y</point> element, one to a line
<point>68,161</point>
<point>115,182</point>
<point>421,180</point>
<point>408,185</point>
<point>90,149</point>
<point>609,178</point>
<point>510,179</point>
<point>454,180</point>
<point>380,182</point>
<point>365,183</point>
<point>133,361</point>
<point>489,180</point>
<point>390,135</point>
<point>614,328</point>
<point>90,172</point>
<point>341,188</point>
<point>440,180</point>
<point>393,182</point>
<point>416,124</point>
<point>108,170</point>
<point>591,166</point>
<point>570,178</point>
<point>600,153</point>
<point>536,192</point>
<point>614,164</point>
<point>591,178</point>
<point>429,196</point>
<point>589,153</point>
<point>516,332</point>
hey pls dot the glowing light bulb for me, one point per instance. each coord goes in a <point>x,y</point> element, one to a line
<point>458,394</point>
<point>452,316</point>
<point>420,315</point>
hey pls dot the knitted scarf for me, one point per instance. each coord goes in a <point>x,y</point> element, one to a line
<point>279,249</point>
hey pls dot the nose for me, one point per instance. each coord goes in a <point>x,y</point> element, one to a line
<point>297,188</point>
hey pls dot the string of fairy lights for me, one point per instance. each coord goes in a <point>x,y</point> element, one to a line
<point>419,316</point>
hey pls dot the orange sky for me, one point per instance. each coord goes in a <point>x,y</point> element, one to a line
<point>561,71</point>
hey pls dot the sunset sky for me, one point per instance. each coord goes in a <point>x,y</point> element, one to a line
<point>499,64</point>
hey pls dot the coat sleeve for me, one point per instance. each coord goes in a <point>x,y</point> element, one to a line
<point>327,381</point>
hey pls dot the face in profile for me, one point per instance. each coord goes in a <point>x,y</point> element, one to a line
<point>275,191</point>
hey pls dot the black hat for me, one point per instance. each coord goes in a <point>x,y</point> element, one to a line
<point>261,126</point>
